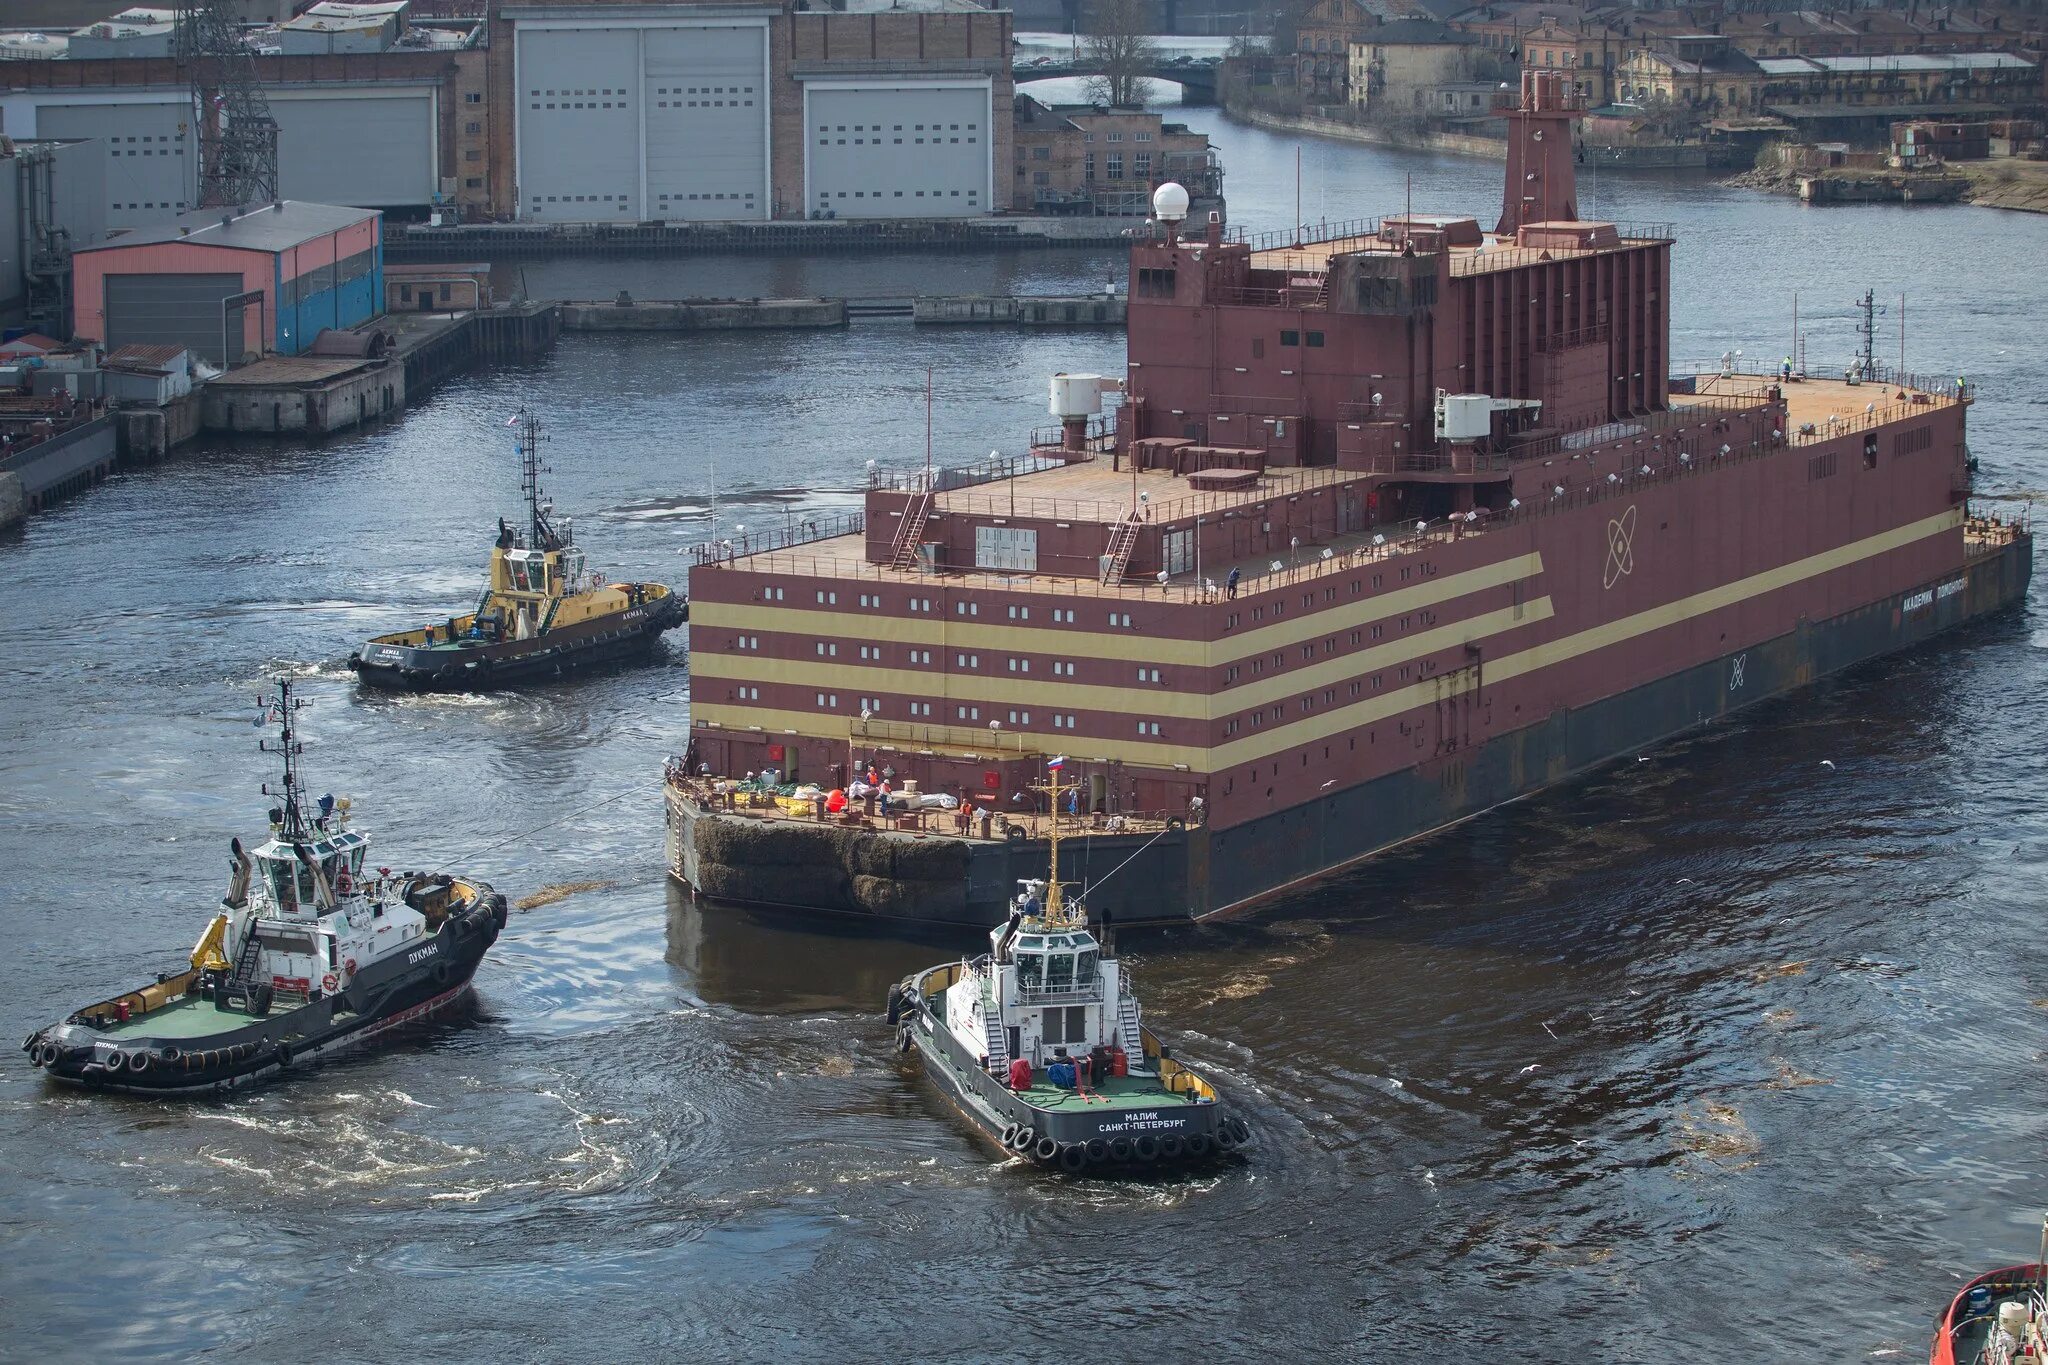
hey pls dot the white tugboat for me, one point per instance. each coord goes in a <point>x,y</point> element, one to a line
<point>1039,1042</point>
<point>313,951</point>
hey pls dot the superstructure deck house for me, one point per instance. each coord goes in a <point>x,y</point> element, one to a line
<point>1389,527</point>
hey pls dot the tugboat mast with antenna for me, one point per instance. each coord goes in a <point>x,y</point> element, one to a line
<point>540,534</point>
<point>1056,913</point>
<point>292,823</point>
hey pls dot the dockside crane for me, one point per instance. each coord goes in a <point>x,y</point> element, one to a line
<point>237,135</point>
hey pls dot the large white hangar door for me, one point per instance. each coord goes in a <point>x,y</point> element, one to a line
<point>579,125</point>
<point>150,161</point>
<point>371,150</point>
<point>897,151</point>
<point>707,125</point>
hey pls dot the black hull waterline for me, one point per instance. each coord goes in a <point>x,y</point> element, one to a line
<point>600,642</point>
<point>408,987</point>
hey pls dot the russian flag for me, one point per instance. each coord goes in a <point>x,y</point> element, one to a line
<point>1055,763</point>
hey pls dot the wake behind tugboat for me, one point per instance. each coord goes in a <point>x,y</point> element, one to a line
<point>541,615</point>
<point>1039,1043</point>
<point>312,952</point>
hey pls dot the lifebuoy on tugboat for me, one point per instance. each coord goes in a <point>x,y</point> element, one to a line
<point>343,883</point>
<point>330,983</point>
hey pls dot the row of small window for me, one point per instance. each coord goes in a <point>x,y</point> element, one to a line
<point>679,198</point>
<point>1113,166</point>
<point>147,152</point>
<point>1308,651</point>
<point>826,196</point>
<point>1274,713</point>
<point>1061,668</point>
<point>1117,137</point>
<point>861,142</point>
<point>915,128</point>
<point>705,104</point>
<point>829,597</point>
<point>180,204</point>
<point>829,701</point>
<point>1230,622</point>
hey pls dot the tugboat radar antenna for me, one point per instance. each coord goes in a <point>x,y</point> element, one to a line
<point>291,819</point>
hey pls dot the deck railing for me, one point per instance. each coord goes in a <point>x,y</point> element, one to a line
<point>1305,234</point>
<point>800,532</point>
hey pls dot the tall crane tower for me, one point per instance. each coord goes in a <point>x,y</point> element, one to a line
<point>237,135</point>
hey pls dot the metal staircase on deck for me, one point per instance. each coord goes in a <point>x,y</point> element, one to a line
<point>995,1040</point>
<point>1127,1031</point>
<point>244,976</point>
<point>1123,538</point>
<point>903,554</point>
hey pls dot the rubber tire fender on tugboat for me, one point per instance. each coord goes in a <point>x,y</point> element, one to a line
<point>1045,1149</point>
<point>1098,1149</point>
<point>284,1053</point>
<point>1172,1147</point>
<point>115,1061</point>
<point>896,1011</point>
<point>1010,1135</point>
<point>138,1062</point>
<point>1119,1150</point>
<point>1174,822</point>
<point>903,1040</point>
<point>1145,1147</point>
<point>1198,1145</point>
<point>443,973</point>
<point>1073,1158</point>
<point>1023,1140</point>
<point>1240,1128</point>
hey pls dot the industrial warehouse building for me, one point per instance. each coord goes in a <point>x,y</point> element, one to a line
<point>579,112</point>
<point>869,109</point>
<point>233,284</point>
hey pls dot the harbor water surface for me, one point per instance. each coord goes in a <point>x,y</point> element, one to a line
<point>1719,1053</point>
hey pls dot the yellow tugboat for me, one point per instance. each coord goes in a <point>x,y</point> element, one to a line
<point>542,615</point>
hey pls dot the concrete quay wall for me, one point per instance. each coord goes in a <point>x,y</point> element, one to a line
<point>702,315</point>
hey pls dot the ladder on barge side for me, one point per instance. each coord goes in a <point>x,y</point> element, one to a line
<point>1123,538</point>
<point>903,554</point>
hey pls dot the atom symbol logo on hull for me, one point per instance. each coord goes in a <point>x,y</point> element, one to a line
<point>1621,553</point>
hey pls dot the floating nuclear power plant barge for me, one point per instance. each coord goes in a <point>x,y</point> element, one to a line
<point>1387,528</point>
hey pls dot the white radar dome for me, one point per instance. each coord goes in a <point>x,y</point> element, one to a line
<point>1170,203</point>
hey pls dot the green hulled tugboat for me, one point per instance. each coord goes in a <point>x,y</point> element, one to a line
<point>313,951</point>
<point>543,614</point>
<point>1039,1043</point>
